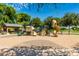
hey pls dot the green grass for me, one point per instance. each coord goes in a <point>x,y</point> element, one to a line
<point>71,31</point>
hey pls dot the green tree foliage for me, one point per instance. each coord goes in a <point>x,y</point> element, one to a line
<point>10,11</point>
<point>36,22</point>
<point>23,18</point>
<point>48,22</point>
<point>1,8</point>
<point>7,14</point>
<point>70,19</point>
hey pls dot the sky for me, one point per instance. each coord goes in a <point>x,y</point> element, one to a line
<point>49,9</point>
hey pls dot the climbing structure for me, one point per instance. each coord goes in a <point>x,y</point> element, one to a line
<point>55,27</point>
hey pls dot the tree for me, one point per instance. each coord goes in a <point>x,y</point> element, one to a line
<point>70,19</point>
<point>23,19</point>
<point>36,22</point>
<point>76,21</point>
<point>48,22</point>
<point>7,15</point>
<point>3,18</point>
<point>2,8</point>
<point>10,11</point>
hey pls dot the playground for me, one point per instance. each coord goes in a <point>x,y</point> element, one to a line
<point>40,26</point>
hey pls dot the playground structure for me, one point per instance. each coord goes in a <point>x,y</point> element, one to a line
<point>28,30</point>
<point>56,28</point>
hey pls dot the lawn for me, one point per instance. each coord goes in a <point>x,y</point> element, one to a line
<point>71,31</point>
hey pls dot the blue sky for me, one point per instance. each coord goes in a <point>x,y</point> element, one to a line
<point>47,10</point>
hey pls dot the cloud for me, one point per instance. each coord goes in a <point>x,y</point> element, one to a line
<point>18,6</point>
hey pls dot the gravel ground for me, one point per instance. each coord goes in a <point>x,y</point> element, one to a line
<point>39,51</point>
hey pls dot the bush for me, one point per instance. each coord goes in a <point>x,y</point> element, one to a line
<point>63,29</point>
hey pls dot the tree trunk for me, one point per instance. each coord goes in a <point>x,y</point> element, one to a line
<point>69,30</point>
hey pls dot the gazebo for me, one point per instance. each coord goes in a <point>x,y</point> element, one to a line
<point>9,28</point>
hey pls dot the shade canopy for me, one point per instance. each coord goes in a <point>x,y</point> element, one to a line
<point>12,25</point>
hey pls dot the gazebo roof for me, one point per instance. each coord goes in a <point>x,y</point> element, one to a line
<point>12,25</point>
